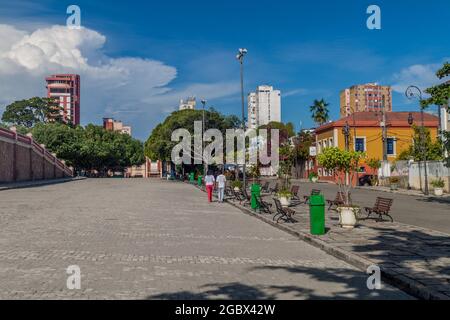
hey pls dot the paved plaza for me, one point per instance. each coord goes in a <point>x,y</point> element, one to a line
<point>152,239</point>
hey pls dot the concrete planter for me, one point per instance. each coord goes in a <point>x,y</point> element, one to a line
<point>285,201</point>
<point>347,217</point>
<point>438,191</point>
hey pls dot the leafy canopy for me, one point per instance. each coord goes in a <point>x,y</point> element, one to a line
<point>159,144</point>
<point>32,111</point>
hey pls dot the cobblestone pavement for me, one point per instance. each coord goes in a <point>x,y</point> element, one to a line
<point>140,239</point>
<point>411,256</point>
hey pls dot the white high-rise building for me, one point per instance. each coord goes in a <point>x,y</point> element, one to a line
<point>264,106</point>
<point>189,103</point>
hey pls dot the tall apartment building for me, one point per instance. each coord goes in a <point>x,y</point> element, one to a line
<point>365,97</point>
<point>189,103</point>
<point>65,89</point>
<point>264,106</point>
<point>116,125</point>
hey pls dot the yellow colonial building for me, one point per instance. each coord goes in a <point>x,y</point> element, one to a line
<point>366,132</point>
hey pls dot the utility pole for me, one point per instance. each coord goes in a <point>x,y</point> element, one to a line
<point>384,129</point>
<point>346,132</point>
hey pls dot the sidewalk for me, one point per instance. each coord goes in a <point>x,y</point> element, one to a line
<point>416,193</point>
<point>417,260</point>
<point>36,183</point>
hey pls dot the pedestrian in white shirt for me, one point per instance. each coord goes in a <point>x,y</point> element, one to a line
<point>221,181</point>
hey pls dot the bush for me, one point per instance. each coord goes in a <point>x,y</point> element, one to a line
<point>284,193</point>
<point>438,183</point>
<point>237,184</point>
<point>394,180</point>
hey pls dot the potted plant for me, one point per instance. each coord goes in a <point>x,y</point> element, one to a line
<point>284,195</point>
<point>237,185</point>
<point>438,186</point>
<point>313,176</point>
<point>344,165</point>
<point>393,181</point>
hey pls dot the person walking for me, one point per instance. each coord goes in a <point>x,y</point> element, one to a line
<point>221,181</point>
<point>209,183</point>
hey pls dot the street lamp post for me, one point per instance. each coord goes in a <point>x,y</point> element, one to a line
<point>410,122</point>
<point>205,165</point>
<point>411,93</point>
<point>240,56</point>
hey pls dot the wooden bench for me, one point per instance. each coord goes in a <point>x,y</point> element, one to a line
<point>282,213</point>
<point>265,188</point>
<point>340,199</point>
<point>382,207</point>
<point>294,191</point>
<point>275,189</point>
<point>314,192</point>
<point>264,206</point>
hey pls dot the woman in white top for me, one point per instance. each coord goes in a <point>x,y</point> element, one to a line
<point>209,183</point>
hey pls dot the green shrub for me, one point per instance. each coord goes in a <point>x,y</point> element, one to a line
<point>438,183</point>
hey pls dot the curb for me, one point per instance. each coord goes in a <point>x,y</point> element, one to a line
<point>400,281</point>
<point>38,183</point>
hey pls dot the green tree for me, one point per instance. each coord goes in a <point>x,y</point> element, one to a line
<point>342,164</point>
<point>159,144</point>
<point>440,96</point>
<point>319,111</point>
<point>29,112</point>
<point>422,147</point>
<point>90,148</point>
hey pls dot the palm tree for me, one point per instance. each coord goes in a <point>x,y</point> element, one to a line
<point>319,111</point>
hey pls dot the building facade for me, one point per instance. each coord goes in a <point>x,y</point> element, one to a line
<point>116,125</point>
<point>365,97</point>
<point>65,89</point>
<point>264,106</point>
<point>365,135</point>
<point>188,104</point>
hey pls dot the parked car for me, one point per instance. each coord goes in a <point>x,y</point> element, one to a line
<point>367,180</point>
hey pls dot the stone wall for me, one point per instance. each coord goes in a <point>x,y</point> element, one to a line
<point>22,159</point>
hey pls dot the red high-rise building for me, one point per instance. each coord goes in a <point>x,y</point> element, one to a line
<point>65,88</point>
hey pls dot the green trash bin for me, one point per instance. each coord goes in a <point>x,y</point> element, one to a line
<point>317,214</point>
<point>255,192</point>
<point>199,180</point>
<point>191,177</point>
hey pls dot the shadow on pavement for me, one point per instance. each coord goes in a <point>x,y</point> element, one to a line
<point>353,283</point>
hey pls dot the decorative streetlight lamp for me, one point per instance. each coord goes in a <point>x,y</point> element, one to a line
<point>240,56</point>
<point>413,92</point>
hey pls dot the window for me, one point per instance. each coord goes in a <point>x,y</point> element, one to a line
<point>360,144</point>
<point>390,146</point>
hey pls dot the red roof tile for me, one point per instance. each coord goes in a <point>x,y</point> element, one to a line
<point>372,119</point>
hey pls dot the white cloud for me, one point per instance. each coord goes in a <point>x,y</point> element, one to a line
<point>134,89</point>
<point>420,75</point>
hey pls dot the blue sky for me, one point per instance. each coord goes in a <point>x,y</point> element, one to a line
<point>307,49</point>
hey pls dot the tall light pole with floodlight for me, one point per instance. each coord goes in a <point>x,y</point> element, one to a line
<point>205,165</point>
<point>240,56</point>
